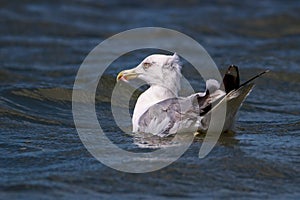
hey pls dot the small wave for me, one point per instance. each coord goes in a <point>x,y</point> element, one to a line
<point>42,106</point>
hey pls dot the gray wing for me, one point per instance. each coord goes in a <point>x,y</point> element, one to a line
<point>177,115</point>
<point>161,117</point>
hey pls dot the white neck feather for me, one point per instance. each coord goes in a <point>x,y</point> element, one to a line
<point>148,98</point>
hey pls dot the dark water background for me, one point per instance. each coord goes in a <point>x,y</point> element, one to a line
<point>42,45</point>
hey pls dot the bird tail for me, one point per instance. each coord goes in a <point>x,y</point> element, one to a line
<point>231,78</point>
<point>236,93</point>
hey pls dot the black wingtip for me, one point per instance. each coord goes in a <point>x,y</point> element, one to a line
<point>231,79</point>
<point>255,77</point>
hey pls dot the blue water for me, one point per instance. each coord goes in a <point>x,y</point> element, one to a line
<point>43,44</point>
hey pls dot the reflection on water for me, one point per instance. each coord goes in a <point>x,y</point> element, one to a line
<point>42,46</point>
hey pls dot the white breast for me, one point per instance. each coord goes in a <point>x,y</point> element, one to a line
<point>150,97</point>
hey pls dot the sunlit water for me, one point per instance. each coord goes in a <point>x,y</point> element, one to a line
<point>42,46</point>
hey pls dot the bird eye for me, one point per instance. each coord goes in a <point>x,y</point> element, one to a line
<point>146,65</point>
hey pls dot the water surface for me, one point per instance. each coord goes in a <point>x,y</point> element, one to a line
<point>43,44</point>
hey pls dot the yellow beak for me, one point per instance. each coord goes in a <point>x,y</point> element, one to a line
<point>127,75</point>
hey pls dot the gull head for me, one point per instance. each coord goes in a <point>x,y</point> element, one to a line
<point>156,69</point>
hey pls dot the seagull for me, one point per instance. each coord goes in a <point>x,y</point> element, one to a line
<point>161,112</point>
